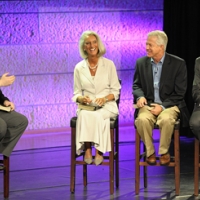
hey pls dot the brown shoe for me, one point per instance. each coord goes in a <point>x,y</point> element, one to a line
<point>151,160</point>
<point>165,159</point>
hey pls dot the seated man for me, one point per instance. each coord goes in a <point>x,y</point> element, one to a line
<point>12,124</point>
<point>159,87</point>
<point>195,118</point>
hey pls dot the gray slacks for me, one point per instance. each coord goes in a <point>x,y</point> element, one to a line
<point>195,121</point>
<point>12,126</point>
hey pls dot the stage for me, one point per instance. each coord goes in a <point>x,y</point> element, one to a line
<point>40,170</point>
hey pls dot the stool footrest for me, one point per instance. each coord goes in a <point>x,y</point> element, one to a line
<point>171,164</point>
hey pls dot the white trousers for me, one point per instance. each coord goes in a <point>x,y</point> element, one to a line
<point>94,127</point>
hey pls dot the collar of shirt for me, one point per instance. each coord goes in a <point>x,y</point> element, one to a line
<point>161,60</point>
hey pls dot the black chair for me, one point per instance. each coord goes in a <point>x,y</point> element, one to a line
<point>4,166</point>
<point>109,160</point>
<point>140,159</point>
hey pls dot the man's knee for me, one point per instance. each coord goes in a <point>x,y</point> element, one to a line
<point>24,121</point>
<point>194,124</point>
<point>166,119</point>
<point>142,121</point>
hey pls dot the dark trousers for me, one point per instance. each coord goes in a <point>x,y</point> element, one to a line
<point>12,126</point>
<point>195,122</point>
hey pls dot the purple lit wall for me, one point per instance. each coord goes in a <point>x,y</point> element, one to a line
<point>39,44</point>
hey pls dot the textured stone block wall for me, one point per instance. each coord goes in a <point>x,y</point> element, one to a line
<point>39,44</point>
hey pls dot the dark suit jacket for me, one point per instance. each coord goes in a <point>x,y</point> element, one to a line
<point>2,98</point>
<point>173,83</point>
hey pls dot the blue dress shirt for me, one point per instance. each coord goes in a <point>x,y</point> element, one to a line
<point>157,69</point>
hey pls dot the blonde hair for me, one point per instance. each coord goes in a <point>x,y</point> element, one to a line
<point>162,38</point>
<point>101,46</point>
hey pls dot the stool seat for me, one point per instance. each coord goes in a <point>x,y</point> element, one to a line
<point>73,122</point>
<point>113,122</point>
<point>176,125</point>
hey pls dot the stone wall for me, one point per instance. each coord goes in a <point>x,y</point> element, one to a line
<point>39,45</point>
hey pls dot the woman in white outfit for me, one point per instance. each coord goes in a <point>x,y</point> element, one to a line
<point>96,81</point>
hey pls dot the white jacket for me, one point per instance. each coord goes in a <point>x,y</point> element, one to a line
<point>104,83</point>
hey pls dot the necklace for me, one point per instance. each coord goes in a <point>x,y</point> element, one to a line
<point>92,68</point>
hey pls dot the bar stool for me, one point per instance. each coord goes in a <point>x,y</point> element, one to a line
<point>4,166</point>
<point>108,160</point>
<point>140,160</point>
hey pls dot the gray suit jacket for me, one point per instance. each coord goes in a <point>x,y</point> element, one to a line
<point>196,82</point>
<point>173,83</point>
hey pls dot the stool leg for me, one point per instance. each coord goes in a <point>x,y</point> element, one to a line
<point>111,162</point>
<point>117,157</point>
<point>137,160</point>
<point>196,167</point>
<point>73,160</point>
<point>6,164</point>
<point>144,168</point>
<point>85,175</point>
<point>177,161</point>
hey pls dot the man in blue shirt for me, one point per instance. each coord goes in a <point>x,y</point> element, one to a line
<point>159,87</point>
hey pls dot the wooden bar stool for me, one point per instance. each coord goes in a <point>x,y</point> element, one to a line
<point>108,160</point>
<point>140,160</point>
<point>4,166</point>
<point>196,167</point>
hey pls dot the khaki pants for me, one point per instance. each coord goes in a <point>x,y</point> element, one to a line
<point>165,120</point>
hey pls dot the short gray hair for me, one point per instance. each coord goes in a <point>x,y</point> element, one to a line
<point>162,38</point>
<point>101,46</point>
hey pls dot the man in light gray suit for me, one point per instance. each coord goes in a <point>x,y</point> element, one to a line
<point>12,124</point>
<point>195,118</point>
